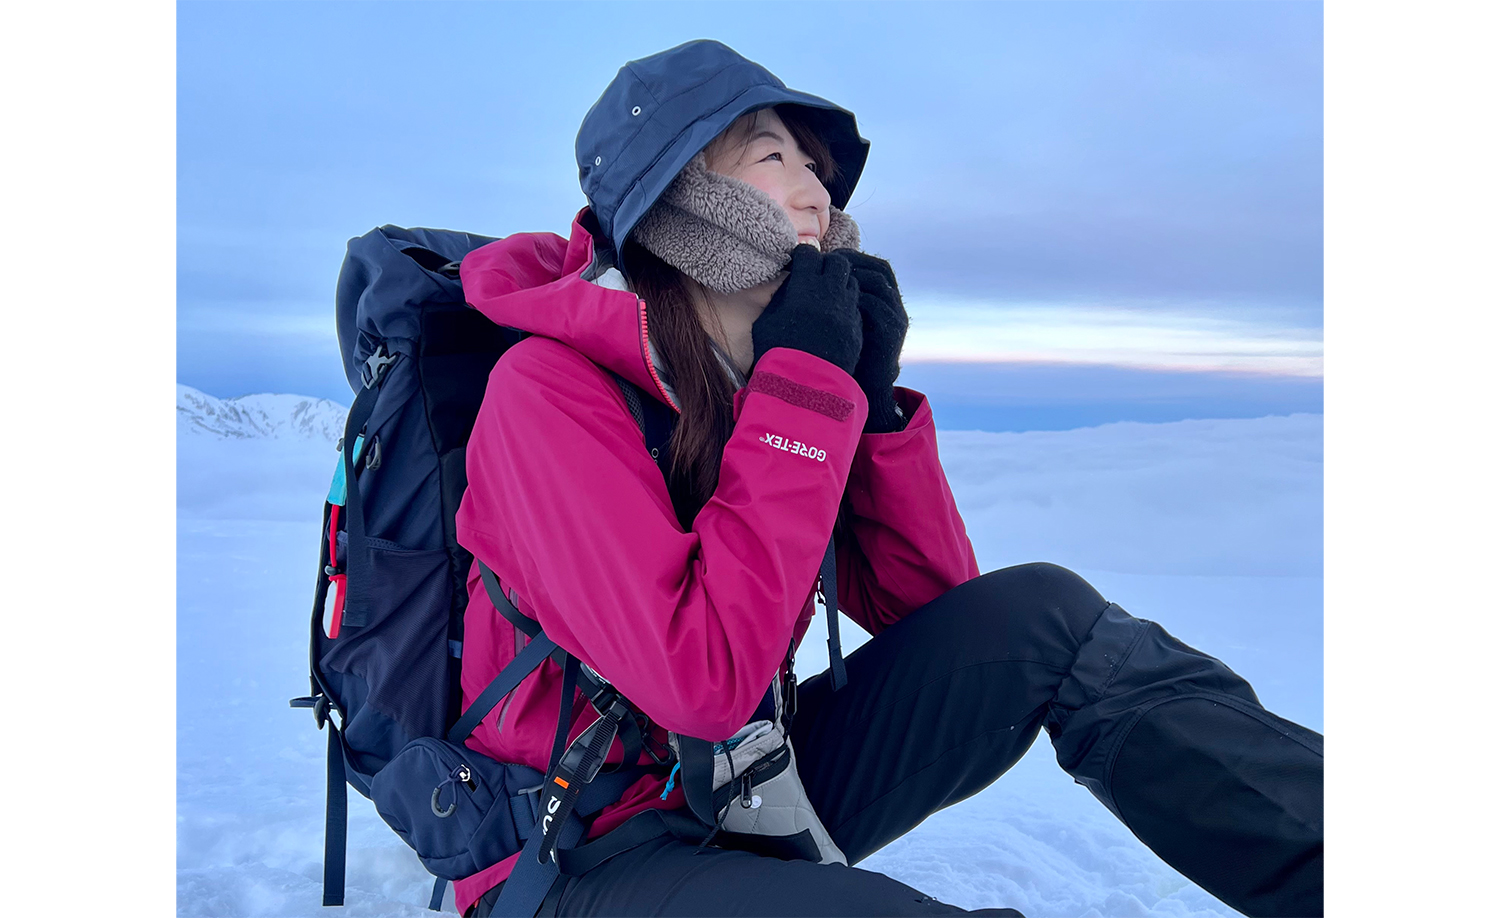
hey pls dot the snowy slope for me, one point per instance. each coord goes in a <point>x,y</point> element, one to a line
<point>277,417</point>
<point>1210,527</point>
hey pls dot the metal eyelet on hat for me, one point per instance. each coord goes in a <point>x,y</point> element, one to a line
<point>598,160</point>
<point>636,110</point>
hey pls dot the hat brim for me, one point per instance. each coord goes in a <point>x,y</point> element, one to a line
<point>834,124</point>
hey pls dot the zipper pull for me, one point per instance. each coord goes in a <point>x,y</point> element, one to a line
<point>747,800</point>
<point>459,775</point>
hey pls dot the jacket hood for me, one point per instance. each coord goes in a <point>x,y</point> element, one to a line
<point>660,111</point>
<point>555,287</point>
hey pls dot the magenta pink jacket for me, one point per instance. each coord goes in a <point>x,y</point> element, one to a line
<point>573,516</point>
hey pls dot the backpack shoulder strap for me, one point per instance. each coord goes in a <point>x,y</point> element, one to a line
<point>655,421</point>
<point>653,418</point>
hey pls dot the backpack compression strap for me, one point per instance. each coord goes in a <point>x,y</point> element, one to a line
<point>356,604</point>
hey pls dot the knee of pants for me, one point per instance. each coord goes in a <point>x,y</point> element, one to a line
<point>1127,667</point>
<point>1053,607</point>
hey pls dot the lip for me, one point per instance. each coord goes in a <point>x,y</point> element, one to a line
<point>808,239</point>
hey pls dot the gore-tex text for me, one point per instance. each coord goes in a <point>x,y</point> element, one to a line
<point>794,446</point>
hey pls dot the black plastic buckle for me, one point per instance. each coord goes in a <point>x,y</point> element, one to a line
<point>375,366</point>
<point>650,743</point>
<point>319,705</point>
<point>579,765</point>
<point>600,693</point>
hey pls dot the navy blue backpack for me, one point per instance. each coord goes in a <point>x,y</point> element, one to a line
<point>387,623</point>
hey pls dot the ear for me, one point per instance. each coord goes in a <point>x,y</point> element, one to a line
<point>843,232</point>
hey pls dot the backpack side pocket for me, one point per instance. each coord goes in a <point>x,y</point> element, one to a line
<point>461,811</point>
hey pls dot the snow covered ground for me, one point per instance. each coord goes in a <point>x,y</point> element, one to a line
<point>1213,528</point>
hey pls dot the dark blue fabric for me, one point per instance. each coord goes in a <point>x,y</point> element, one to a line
<point>336,822</point>
<point>529,881</point>
<point>369,737</point>
<point>659,111</point>
<point>389,672</point>
<point>380,286</point>
<point>400,649</point>
<point>480,830</point>
<point>401,501</point>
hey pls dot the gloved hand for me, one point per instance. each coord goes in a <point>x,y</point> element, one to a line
<point>884,323</point>
<point>816,310</point>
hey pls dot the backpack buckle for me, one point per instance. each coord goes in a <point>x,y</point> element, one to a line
<point>375,366</point>
<point>319,705</point>
<point>660,753</point>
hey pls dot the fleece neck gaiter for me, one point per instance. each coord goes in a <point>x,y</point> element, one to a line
<point>727,234</point>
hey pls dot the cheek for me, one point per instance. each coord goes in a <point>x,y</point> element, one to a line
<point>770,185</point>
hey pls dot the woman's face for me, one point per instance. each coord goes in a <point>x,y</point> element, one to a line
<point>773,162</point>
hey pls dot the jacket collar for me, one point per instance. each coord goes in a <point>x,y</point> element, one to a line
<point>570,290</point>
<point>554,287</point>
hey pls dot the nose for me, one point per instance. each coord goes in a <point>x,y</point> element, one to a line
<point>810,198</point>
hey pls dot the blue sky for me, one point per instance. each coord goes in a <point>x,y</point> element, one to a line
<point>1076,188</point>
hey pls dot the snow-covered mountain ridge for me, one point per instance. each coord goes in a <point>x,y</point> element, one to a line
<point>262,416</point>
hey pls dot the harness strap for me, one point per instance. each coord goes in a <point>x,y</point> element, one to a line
<point>531,628</point>
<point>575,772</point>
<point>503,605</point>
<point>630,743</point>
<point>564,713</point>
<point>829,577</point>
<point>336,821</point>
<point>530,657</point>
<point>522,893</point>
<point>637,830</point>
<point>697,759</point>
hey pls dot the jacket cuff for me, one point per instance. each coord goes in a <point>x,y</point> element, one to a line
<point>801,379</point>
<point>886,415</point>
<point>915,413</point>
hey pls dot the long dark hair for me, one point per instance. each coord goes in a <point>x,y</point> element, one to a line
<point>704,391</point>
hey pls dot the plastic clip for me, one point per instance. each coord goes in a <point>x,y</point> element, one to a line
<point>376,365</point>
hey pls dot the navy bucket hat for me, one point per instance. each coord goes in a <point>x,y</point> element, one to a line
<point>659,111</point>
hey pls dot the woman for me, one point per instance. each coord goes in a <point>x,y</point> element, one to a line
<point>715,270</point>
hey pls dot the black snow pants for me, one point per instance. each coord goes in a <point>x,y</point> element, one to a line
<point>945,701</point>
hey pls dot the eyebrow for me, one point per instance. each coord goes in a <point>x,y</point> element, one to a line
<point>765,132</point>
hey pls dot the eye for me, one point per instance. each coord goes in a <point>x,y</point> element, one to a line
<point>776,155</point>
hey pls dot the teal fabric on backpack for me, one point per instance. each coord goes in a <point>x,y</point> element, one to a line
<point>338,491</point>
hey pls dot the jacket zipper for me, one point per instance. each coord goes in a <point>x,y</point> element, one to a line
<point>646,356</point>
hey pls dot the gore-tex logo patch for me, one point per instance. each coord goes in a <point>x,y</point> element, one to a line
<point>794,446</point>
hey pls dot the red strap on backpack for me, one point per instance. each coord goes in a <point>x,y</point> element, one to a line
<point>337,616</point>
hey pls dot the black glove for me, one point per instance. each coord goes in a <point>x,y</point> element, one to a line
<point>884,331</point>
<point>816,310</point>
